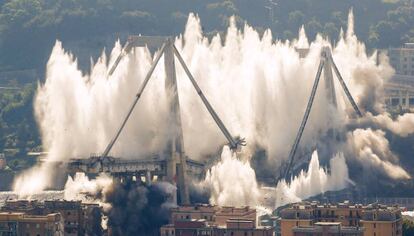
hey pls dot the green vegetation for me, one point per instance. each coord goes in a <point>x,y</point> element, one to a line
<point>408,227</point>
<point>28,28</point>
<point>17,126</point>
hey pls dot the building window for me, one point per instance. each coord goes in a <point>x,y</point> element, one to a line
<point>375,225</point>
<point>37,226</point>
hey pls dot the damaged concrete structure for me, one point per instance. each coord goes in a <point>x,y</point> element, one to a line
<point>173,165</point>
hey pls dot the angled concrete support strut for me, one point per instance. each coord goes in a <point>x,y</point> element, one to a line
<point>326,64</point>
<point>305,117</point>
<point>344,87</point>
<point>134,103</point>
<point>234,143</point>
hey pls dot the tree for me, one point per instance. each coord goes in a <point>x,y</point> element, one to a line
<point>296,19</point>
<point>408,227</point>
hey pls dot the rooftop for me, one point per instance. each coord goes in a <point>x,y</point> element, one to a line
<point>328,223</point>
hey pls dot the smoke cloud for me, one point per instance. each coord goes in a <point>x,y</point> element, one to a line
<point>81,188</point>
<point>403,125</point>
<point>137,209</point>
<point>373,152</point>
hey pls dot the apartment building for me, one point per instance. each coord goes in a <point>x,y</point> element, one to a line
<point>399,90</point>
<point>76,218</point>
<point>210,220</point>
<point>327,229</point>
<point>16,224</point>
<point>382,221</point>
<point>402,59</point>
<point>353,219</point>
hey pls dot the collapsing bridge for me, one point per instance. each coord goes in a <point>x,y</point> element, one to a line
<point>326,65</point>
<point>173,165</point>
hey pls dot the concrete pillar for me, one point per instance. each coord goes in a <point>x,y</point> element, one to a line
<point>329,81</point>
<point>148,179</point>
<point>175,152</point>
<point>407,100</point>
<point>330,90</point>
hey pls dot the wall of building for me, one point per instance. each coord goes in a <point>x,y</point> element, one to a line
<point>380,228</point>
<point>76,218</point>
<point>214,221</point>
<point>376,219</point>
<point>194,212</point>
<point>227,213</point>
<point>286,226</point>
<point>30,225</point>
<point>402,59</point>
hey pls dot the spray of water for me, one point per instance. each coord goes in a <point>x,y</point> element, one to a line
<point>259,87</point>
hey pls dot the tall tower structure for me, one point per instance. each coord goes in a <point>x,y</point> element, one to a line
<point>326,65</point>
<point>176,160</point>
<point>329,80</point>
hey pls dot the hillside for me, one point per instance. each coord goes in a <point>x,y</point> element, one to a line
<point>30,27</point>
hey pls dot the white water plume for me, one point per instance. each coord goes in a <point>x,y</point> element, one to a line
<point>259,87</point>
<point>314,181</point>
